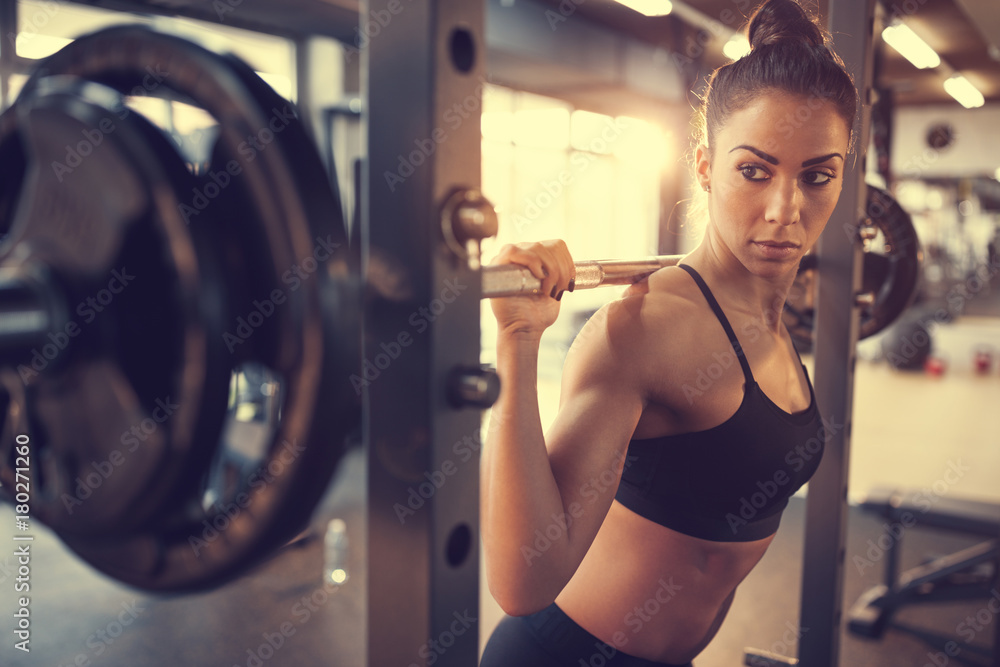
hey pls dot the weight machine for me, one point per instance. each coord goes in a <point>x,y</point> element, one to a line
<point>422,220</point>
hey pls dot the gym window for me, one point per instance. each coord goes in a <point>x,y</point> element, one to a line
<point>554,171</point>
<point>44,27</point>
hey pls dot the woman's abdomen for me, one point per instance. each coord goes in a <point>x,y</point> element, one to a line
<point>652,592</point>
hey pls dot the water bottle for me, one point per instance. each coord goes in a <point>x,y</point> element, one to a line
<point>335,553</point>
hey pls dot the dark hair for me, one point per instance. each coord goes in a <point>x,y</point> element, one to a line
<point>789,52</point>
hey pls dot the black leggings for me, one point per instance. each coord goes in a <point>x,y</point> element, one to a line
<point>550,638</point>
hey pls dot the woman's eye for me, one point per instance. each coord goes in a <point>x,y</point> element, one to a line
<point>753,173</point>
<point>818,178</point>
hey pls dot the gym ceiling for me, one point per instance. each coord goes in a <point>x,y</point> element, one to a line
<point>965,33</point>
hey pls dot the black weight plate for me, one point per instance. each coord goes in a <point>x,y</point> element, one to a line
<point>92,209</point>
<point>891,274</point>
<point>897,266</point>
<point>280,210</point>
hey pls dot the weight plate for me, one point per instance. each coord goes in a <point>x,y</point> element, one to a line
<point>892,267</point>
<point>254,287</point>
<point>891,271</point>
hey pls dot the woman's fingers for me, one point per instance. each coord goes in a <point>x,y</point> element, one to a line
<point>567,270</point>
<point>549,261</point>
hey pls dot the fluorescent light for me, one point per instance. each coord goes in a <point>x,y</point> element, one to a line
<point>911,47</point>
<point>649,7</point>
<point>959,87</point>
<point>736,47</point>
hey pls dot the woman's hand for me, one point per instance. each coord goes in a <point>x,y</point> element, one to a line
<point>550,262</point>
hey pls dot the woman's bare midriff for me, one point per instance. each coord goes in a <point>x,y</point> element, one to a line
<point>655,593</point>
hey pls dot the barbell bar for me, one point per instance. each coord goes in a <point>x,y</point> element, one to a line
<point>888,287</point>
<point>512,280</point>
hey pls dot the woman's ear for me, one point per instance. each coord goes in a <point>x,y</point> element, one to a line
<point>702,166</point>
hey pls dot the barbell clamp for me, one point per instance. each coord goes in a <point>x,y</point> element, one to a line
<point>470,386</point>
<point>867,231</point>
<point>864,299</point>
<point>467,218</point>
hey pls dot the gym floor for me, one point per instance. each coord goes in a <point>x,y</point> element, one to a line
<point>910,430</point>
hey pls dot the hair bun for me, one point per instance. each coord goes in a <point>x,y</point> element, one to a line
<point>780,20</point>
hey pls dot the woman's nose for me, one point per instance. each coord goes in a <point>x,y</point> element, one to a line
<point>784,203</point>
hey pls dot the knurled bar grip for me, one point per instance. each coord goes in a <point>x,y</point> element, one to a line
<point>515,280</point>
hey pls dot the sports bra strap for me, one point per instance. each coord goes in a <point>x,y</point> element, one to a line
<point>722,320</point>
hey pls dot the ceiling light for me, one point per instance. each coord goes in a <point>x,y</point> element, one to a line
<point>649,7</point>
<point>736,47</point>
<point>959,87</point>
<point>911,47</point>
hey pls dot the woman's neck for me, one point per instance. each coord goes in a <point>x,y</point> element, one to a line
<point>760,297</point>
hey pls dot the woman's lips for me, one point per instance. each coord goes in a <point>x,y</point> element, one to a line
<point>776,250</point>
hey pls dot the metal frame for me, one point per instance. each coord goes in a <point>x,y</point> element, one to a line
<point>415,597</point>
<point>837,324</point>
<point>414,592</point>
<point>851,22</point>
<point>8,54</point>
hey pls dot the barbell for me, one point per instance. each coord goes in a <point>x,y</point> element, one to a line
<point>145,285</point>
<point>890,272</point>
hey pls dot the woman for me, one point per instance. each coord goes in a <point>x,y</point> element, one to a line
<point>620,536</point>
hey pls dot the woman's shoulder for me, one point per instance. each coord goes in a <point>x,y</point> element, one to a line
<point>661,318</point>
<point>669,300</point>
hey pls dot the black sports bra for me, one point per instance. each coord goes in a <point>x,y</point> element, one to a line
<point>731,482</point>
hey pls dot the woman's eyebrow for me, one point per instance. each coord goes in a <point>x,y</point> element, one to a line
<point>822,158</point>
<point>773,160</point>
<point>759,153</point>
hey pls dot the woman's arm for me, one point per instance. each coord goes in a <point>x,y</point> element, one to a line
<point>544,497</point>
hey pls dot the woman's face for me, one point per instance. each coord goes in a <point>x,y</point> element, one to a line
<point>775,174</point>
